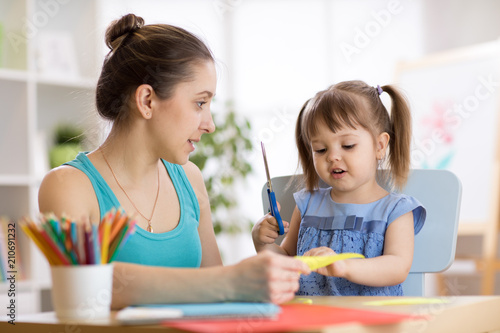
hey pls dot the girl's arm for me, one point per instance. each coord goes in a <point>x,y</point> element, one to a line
<point>209,248</point>
<point>265,232</point>
<point>391,268</point>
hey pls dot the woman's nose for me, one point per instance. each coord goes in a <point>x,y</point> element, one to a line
<point>208,124</point>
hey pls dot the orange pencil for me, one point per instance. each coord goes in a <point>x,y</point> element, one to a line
<point>128,230</point>
<point>117,227</point>
<point>116,243</point>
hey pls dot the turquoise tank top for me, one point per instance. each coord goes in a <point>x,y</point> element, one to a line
<point>179,247</point>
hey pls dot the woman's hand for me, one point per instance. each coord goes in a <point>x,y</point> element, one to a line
<point>337,269</point>
<point>267,277</point>
<point>266,230</point>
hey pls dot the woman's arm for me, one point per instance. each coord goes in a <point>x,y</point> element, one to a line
<point>391,268</point>
<point>265,277</point>
<point>209,248</point>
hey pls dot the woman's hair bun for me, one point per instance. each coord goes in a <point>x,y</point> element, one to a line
<point>119,29</point>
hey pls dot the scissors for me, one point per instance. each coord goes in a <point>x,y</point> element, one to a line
<point>272,197</point>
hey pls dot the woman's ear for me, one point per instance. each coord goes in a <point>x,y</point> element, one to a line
<point>381,145</point>
<point>143,100</point>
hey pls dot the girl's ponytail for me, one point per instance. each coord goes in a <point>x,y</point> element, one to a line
<point>311,178</point>
<point>400,136</point>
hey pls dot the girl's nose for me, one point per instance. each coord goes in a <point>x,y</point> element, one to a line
<point>334,156</point>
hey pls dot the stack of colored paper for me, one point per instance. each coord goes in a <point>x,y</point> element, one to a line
<point>67,242</point>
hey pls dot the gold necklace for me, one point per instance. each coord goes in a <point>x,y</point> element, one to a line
<point>150,227</point>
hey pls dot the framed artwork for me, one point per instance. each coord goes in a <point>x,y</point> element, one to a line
<point>456,120</point>
<point>454,97</point>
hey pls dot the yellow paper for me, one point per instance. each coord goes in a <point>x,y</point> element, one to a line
<point>315,262</point>
<point>407,301</point>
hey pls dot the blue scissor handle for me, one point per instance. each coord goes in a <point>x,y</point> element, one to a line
<point>275,212</point>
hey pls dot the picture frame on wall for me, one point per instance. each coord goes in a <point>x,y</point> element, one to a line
<point>455,103</point>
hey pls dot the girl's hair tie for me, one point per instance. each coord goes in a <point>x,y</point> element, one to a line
<point>379,90</point>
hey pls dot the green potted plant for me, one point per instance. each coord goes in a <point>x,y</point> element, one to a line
<point>223,159</point>
<point>67,143</point>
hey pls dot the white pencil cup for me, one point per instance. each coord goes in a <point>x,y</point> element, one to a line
<point>82,292</point>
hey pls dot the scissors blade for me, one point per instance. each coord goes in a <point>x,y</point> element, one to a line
<point>269,185</point>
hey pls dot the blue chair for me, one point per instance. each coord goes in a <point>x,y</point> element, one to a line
<point>439,191</point>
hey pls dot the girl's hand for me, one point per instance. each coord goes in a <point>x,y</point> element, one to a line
<point>265,231</point>
<point>337,269</point>
<point>268,277</point>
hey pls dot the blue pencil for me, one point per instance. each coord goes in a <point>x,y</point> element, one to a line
<point>74,236</point>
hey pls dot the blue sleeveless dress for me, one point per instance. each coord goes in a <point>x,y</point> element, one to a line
<point>358,228</point>
<point>179,247</point>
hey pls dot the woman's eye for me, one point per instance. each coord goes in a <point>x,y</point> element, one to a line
<point>200,104</point>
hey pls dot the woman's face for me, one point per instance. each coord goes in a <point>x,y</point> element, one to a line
<point>180,121</point>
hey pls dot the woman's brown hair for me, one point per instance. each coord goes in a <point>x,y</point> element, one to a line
<point>353,104</point>
<point>160,55</point>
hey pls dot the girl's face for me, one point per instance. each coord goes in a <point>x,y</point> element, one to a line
<point>347,160</point>
<point>182,119</point>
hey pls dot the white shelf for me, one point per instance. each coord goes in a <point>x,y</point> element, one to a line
<point>15,180</point>
<point>79,83</point>
<point>13,75</point>
<point>34,101</point>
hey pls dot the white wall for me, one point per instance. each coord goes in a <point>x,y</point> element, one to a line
<point>275,54</point>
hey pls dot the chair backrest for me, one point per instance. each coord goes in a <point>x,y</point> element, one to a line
<point>439,191</point>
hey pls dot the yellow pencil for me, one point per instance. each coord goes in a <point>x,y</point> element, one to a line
<point>43,248</point>
<point>105,241</point>
<point>28,233</point>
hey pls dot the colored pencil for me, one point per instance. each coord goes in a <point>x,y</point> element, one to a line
<point>42,248</point>
<point>51,256</point>
<point>116,227</point>
<point>55,248</point>
<point>105,241</point>
<point>114,245</point>
<point>89,245</point>
<point>97,247</point>
<point>66,242</point>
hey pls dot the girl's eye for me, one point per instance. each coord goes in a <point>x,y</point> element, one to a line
<point>320,151</point>
<point>347,147</point>
<point>200,104</point>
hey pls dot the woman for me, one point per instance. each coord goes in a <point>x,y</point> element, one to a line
<point>156,86</point>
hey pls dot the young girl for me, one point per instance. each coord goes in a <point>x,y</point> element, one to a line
<point>343,135</point>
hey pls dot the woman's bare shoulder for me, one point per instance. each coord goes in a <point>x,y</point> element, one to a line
<point>65,177</point>
<point>67,190</point>
<point>194,175</point>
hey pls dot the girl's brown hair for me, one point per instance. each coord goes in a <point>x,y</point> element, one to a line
<point>353,104</point>
<point>160,55</point>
